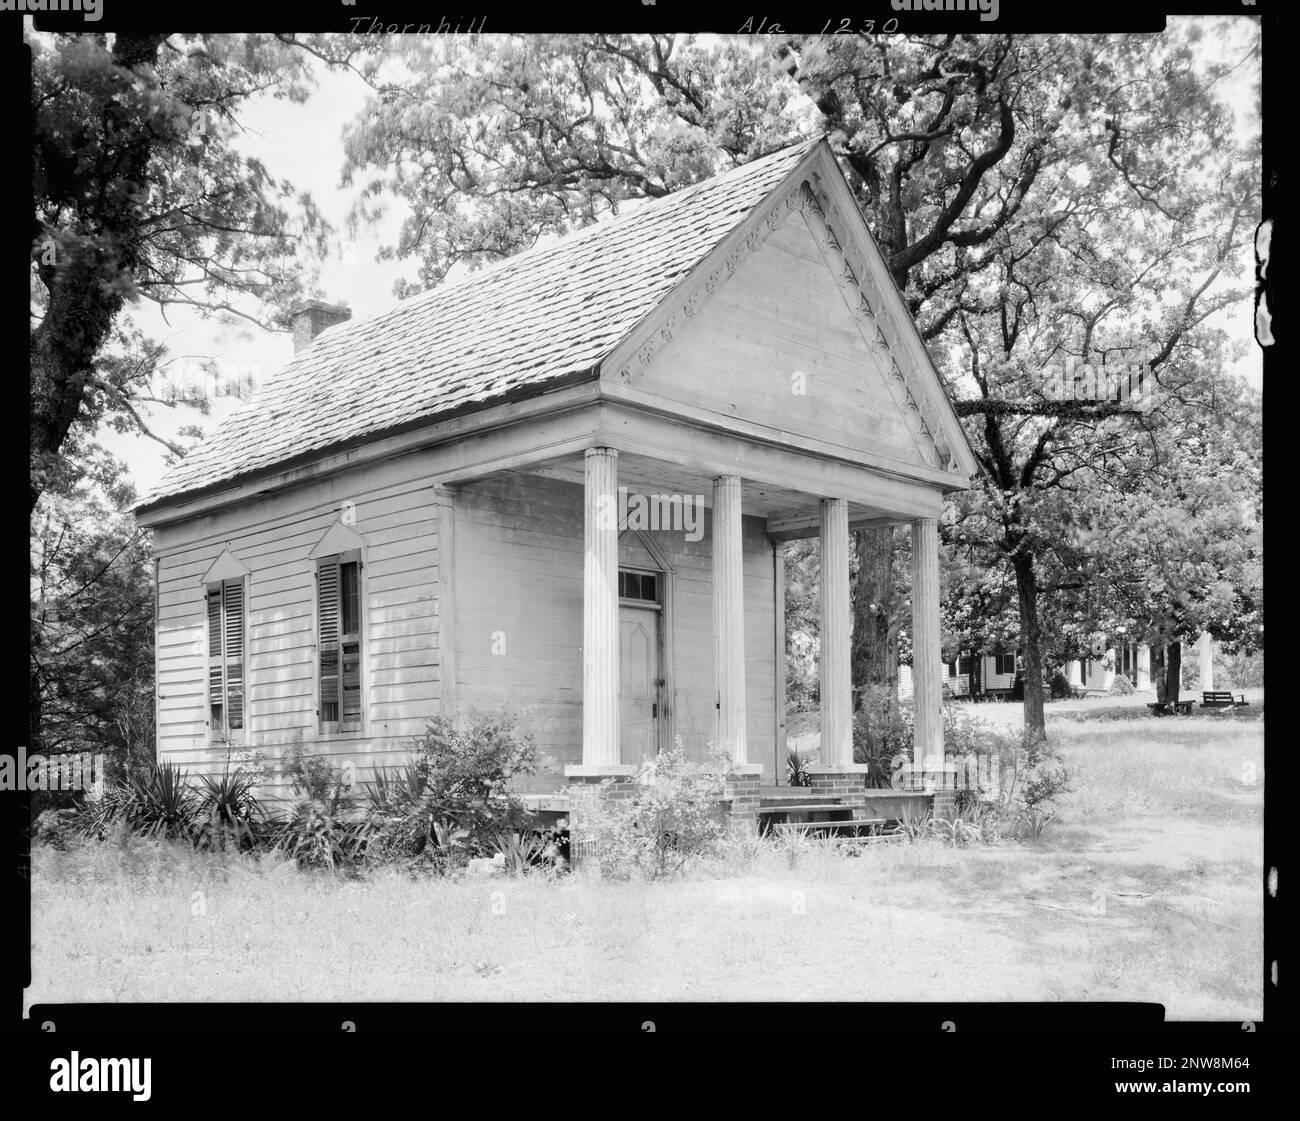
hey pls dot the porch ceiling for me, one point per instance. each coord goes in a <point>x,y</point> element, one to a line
<point>790,513</point>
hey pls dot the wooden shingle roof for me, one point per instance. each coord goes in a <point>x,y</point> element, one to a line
<point>546,316</point>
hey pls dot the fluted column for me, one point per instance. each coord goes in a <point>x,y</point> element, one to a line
<point>729,616</point>
<point>927,689</point>
<point>600,610</point>
<point>1143,666</point>
<point>1205,648</point>
<point>836,615</point>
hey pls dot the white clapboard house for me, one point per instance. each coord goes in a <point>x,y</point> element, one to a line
<point>559,487</point>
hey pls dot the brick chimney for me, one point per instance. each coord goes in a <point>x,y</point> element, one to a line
<point>311,317</point>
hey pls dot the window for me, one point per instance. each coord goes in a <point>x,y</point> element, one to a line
<point>1007,664</point>
<point>965,664</point>
<point>225,658</point>
<point>638,585</point>
<point>338,605</point>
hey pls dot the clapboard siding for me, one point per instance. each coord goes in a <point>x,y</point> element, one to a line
<point>782,313</point>
<point>519,592</point>
<point>397,518</point>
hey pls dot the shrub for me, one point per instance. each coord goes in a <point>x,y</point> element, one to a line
<point>1040,781</point>
<point>454,799</point>
<point>964,734</point>
<point>1059,687</point>
<point>321,830</point>
<point>672,818</point>
<point>57,828</point>
<point>319,834</point>
<point>1121,686</point>
<point>879,738</point>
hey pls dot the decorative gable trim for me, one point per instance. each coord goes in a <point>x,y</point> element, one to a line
<point>835,204</point>
<point>838,227</point>
<point>339,538</point>
<point>226,567</point>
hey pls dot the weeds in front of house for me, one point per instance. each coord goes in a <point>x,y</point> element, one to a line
<point>672,818</point>
<point>448,806</point>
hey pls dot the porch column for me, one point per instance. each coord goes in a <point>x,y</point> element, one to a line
<point>1143,666</point>
<point>1074,672</point>
<point>600,611</point>
<point>927,752</point>
<point>836,615</point>
<point>729,616</point>
<point>1205,648</point>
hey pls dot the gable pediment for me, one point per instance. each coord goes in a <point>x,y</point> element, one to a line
<point>339,538</point>
<point>226,567</point>
<point>795,323</point>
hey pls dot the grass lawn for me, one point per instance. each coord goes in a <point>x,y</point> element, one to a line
<point>1147,887</point>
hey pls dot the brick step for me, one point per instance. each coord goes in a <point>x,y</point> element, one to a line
<point>825,826</point>
<point>804,808</point>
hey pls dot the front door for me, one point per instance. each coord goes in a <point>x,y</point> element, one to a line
<point>638,682</point>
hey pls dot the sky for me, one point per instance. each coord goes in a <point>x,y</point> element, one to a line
<point>303,143</point>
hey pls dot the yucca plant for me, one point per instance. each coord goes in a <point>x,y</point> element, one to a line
<point>796,769</point>
<point>158,802</point>
<point>521,850</point>
<point>397,789</point>
<point>229,812</point>
<point>911,823</point>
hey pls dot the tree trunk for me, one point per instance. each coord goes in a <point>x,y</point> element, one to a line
<point>1158,672</point>
<point>1173,671</point>
<point>874,651</point>
<point>1031,638</point>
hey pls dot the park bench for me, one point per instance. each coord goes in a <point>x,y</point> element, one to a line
<point>1214,699</point>
<point>1162,708</point>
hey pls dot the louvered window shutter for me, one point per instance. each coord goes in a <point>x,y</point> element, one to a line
<point>216,664</point>
<point>327,580</point>
<point>350,641</point>
<point>233,603</point>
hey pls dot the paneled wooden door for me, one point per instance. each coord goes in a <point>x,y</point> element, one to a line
<point>638,682</point>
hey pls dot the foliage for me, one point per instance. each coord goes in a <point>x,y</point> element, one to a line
<point>155,803</point>
<point>58,828</point>
<point>454,800</point>
<point>796,768</point>
<point>91,632</point>
<point>1039,782</point>
<point>142,192</point>
<point>322,829</point>
<point>1121,686</point>
<point>525,852</point>
<point>878,739</point>
<point>231,812</point>
<point>1059,687</point>
<point>672,818</point>
<point>912,824</point>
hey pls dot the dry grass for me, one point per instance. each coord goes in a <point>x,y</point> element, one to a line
<point>1148,887</point>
